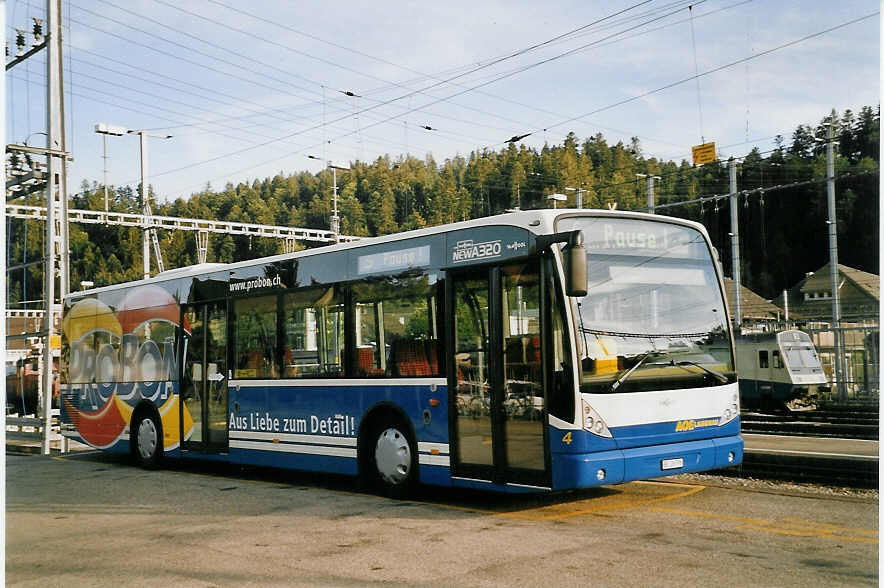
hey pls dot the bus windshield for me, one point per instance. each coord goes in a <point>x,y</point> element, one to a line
<point>654,317</point>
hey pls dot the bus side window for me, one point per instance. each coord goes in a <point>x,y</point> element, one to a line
<point>254,328</point>
<point>560,401</point>
<point>396,327</point>
<point>762,359</point>
<point>313,333</point>
<point>777,360</point>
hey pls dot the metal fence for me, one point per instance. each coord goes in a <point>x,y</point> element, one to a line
<point>861,361</point>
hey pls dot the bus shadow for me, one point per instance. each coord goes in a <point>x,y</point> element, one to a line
<point>464,499</point>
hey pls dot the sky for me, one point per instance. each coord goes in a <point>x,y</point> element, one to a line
<point>251,89</point>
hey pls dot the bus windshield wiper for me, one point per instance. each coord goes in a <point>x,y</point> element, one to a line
<point>628,373</point>
<point>717,375</point>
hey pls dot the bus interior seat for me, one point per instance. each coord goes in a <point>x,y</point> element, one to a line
<point>409,358</point>
<point>367,365</point>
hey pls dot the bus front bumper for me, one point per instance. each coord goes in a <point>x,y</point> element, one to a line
<point>581,470</point>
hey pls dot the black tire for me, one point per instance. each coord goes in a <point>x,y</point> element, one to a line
<point>392,459</point>
<point>147,440</point>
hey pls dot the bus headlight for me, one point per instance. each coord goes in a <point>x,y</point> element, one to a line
<point>730,413</point>
<point>593,422</point>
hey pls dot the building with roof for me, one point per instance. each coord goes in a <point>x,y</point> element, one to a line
<point>758,314</point>
<point>860,295</point>
<point>811,298</point>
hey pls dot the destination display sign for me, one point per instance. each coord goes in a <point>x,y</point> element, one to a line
<point>621,236</point>
<point>398,259</point>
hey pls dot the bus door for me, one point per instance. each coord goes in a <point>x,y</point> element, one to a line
<point>494,343</point>
<point>204,377</point>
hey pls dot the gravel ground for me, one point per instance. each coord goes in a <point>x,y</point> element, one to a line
<point>779,487</point>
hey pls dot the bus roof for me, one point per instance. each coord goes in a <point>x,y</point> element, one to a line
<point>538,221</point>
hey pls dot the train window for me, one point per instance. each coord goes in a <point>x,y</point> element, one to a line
<point>762,359</point>
<point>777,360</point>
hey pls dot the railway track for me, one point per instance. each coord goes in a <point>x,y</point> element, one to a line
<point>807,468</point>
<point>848,423</point>
<point>831,445</point>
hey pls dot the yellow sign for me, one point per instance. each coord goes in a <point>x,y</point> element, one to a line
<point>704,153</point>
<point>692,424</point>
<point>55,342</point>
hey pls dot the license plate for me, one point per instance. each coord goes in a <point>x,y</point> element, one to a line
<point>672,464</point>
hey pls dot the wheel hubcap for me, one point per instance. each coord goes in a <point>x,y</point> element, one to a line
<point>393,456</point>
<point>147,438</point>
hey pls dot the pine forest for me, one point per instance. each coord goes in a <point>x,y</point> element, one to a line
<point>783,227</point>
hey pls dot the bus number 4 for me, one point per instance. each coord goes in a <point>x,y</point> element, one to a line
<point>567,438</point>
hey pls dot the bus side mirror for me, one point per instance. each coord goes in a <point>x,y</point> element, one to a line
<point>576,277</point>
<point>574,259</point>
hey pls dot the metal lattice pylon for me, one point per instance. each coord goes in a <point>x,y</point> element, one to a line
<point>202,246</point>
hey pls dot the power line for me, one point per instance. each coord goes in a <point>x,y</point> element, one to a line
<point>180,81</point>
<point>717,69</point>
<point>326,61</point>
<point>262,144</point>
<point>178,57</point>
<point>766,190</point>
<point>363,110</point>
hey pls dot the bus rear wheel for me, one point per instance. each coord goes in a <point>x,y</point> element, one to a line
<point>147,441</point>
<point>394,460</point>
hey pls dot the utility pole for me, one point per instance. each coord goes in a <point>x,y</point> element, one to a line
<point>104,157</point>
<point>335,221</point>
<point>104,130</point>
<point>56,206</point>
<point>735,244</point>
<point>579,201</point>
<point>145,206</point>
<point>149,233</point>
<point>650,190</point>
<point>833,259</point>
<point>4,236</point>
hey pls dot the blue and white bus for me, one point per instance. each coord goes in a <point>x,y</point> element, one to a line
<point>531,351</point>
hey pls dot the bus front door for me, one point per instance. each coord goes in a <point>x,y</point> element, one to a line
<point>204,378</point>
<point>494,340</point>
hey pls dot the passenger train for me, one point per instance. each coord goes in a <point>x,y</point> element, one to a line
<point>778,370</point>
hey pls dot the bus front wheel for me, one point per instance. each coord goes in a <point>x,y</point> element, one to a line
<point>147,441</point>
<point>394,460</point>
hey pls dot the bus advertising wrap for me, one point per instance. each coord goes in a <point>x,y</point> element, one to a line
<point>114,358</point>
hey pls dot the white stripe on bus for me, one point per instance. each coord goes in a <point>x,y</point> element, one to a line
<point>339,382</point>
<point>427,447</point>
<point>293,448</point>
<point>438,460</point>
<point>308,439</point>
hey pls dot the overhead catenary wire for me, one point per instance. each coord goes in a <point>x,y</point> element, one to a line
<point>434,125</point>
<point>766,189</point>
<point>357,113</point>
<point>697,76</point>
<point>471,68</point>
<point>178,57</point>
<point>370,138</point>
<point>278,139</point>
<point>624,101</point>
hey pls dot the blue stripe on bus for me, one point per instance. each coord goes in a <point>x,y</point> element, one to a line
<point>672,432</point>
<point>315,426</point>
<point>581,441</point>
<point>580,470</point>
